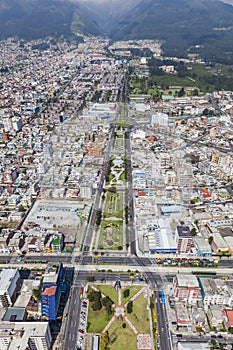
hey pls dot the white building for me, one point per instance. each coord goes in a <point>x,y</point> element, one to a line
<point>216,292</point>
<point>8,286</point>
<point>17,123</point>
<point>7,123</point>
<point>25,335</point>
<point>159,118</point>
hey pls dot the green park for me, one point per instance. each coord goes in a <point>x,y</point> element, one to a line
<point>119,316</point>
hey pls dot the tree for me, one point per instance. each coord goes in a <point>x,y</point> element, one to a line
<point>21,208</point>
<point>194,231</point>
<point>130,307</point>
<point>210,240</point>
<point>205,111</point>
<point>107,303</point>
<point>90,278</point>
<point>181,92</point>
<point>104,340</point>
<point>98,217</point>
<point>97,305</point>
<point>126,293</point>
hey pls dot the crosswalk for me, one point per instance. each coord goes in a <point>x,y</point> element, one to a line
<point>174,339</point>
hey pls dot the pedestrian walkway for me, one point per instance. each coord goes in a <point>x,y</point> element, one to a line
<point>131,325</point>
<point>109,324</point>
<point>137,294</point>
<point>119,296</point>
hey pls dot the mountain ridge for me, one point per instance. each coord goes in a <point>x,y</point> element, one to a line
<point>202,27</point>
<point>34,19</point>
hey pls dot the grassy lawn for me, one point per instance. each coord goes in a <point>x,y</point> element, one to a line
<point>111,234</point>
<point>140,315</point>
<point>132,291</point>
<point>114,205</point>
<point>109,291</point>
<point>97,320</point>
<point>171,80</point>
<point>119,144</point>
<point>121,338</point>
<point>122,177</point>
<point>119,123</point>
<point>122,111</point>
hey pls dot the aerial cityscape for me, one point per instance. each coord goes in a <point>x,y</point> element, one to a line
<point>116,177</point>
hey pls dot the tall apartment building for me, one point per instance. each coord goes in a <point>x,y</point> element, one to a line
<point>9,279</point>
<point>184,239</point>
<point>53,286</point>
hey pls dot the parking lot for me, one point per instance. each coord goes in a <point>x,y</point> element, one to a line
<point>82,324</point>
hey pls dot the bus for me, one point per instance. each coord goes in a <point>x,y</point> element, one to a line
<point>29,260</point>
<point>162,296</point>
<point>204,273</point>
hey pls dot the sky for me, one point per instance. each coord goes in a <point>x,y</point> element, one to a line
<point>101,1</point>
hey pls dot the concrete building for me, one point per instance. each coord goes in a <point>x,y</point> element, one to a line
<point>215,316</point>
<point>182,315</point>
<point>159,119</point>
<point>25,335</point>
<point>215,292</point>
<point>184,239</point>
<point>220,245</point>
<point>186,288</point>
<point>160,237</point>
<point>202,246</point>
<point>9,279</point>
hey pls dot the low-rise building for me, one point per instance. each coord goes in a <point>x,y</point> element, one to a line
<point>186,288</point>
<point>25,335</point>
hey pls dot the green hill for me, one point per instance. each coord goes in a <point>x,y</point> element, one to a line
<point>203,26</point>
<point>32,19</point>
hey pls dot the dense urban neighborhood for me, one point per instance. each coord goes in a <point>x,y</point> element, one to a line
<point>116,198</point>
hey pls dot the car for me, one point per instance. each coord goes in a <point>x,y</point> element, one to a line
<point>220,336</point>
<point>81,331</point>
<point>179,335</point>
<point>213,336</point>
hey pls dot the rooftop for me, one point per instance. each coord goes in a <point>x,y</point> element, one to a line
<point>189,281</point>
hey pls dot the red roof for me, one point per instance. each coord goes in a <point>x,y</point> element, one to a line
<point>33,240</point>
<point>50,291</point>
<point>142,194</point>
<point>229,314</point>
